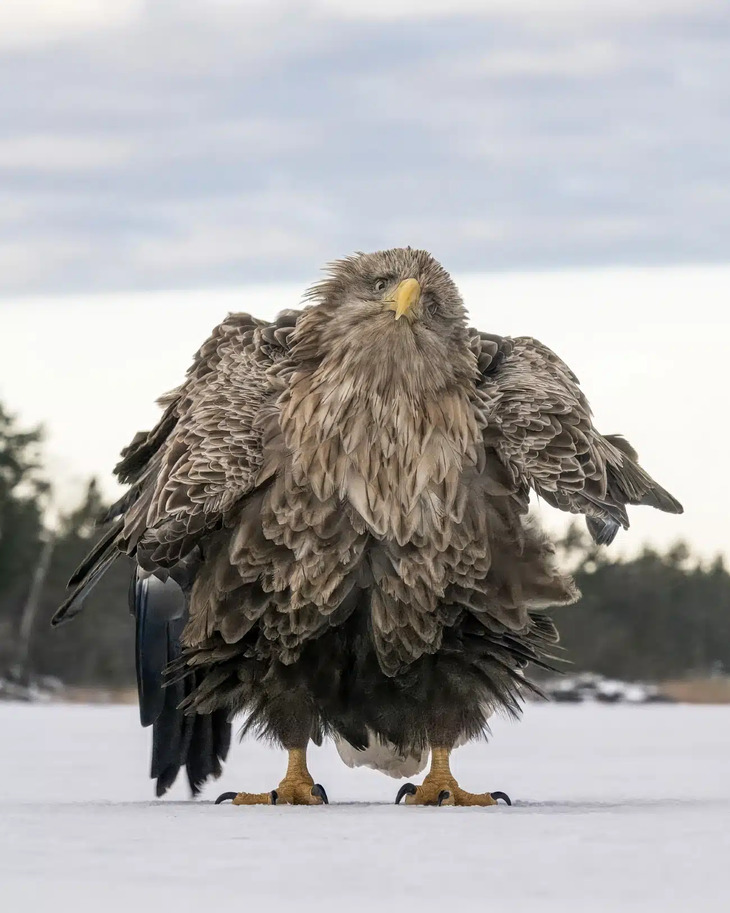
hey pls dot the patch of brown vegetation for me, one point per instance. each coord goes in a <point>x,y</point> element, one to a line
<point>99,696</point>
<point>698,690</point>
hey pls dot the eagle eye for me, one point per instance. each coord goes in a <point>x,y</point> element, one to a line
<point>432,306</point>
<point>380,284</point>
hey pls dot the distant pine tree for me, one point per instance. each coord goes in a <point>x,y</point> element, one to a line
<point>651,617</point>
<point>98,649</point>
<point>22,492</point>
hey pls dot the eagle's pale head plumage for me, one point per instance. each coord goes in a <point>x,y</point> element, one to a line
<point>393,320</point>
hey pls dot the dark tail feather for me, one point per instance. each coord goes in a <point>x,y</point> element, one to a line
<point>171,734</point>
<point>208,747</point>
<point>197,742</point>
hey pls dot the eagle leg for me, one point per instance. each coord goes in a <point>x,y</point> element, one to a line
<point>441,788</point>
<point>297,787</point>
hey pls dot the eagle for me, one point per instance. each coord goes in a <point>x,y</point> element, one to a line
<point>330,531</point>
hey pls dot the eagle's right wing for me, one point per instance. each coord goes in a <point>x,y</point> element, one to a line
<point>203,456</point>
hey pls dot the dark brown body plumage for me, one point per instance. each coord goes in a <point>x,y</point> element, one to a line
<point>343,496</point>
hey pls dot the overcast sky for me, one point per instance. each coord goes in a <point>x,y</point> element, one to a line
<point>200,146</point>
<point>194,143</point>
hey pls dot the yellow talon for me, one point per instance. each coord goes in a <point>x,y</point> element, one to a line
<point>297,787</point>
<point>441,788</point>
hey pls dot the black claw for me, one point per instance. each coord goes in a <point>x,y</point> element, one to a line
<point>274,796</point>
<point>224,797</point>
<point>443,796</point>
<point>319,793</point>
<point>408,789</point>
<point>503,796</point>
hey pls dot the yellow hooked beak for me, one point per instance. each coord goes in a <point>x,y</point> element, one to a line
<point>404,297</point>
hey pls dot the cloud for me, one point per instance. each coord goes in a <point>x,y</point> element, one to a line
<point>207,142</point>
<point>40,22</point>
<point>590,59</point>
<point>55,152</point>
<point>534,11</point>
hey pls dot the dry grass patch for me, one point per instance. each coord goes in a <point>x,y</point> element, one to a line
<point>698,690</point>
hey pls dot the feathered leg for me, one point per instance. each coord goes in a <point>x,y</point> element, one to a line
<point>297,787</point>
<point>441,788</point>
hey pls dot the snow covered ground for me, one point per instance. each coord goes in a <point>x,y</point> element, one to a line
<point>617,808</point>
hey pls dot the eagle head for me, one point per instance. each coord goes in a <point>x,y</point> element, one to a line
<point>393,320</point>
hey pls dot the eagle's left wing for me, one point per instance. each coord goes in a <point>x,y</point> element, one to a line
<point>539,423</point>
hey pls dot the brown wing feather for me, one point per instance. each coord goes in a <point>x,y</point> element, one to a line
<point>211,459</point>
<point>539,422</point>
<point>201,458</point>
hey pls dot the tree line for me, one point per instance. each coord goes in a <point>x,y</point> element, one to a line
<point>655,616</point>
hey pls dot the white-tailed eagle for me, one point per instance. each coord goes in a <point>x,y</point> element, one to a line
<point>341,497</point>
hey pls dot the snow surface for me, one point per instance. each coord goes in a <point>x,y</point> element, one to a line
<point>617,808</point>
